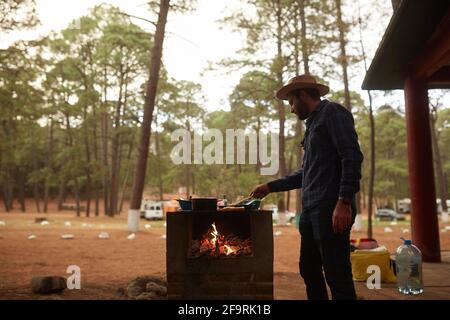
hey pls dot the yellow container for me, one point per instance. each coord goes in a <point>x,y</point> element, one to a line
<point>362,259</point>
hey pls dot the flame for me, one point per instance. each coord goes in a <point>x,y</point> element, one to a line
<point>215,244</point>
<point>214,234</point>
<point>228,250</point>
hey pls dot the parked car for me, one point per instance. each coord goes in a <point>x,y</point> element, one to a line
<point>389,214</point>
<point>151,210</point>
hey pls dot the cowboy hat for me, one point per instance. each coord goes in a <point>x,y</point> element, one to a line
<point>301,82</point>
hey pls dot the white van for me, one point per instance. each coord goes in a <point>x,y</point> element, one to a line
<point>152,210</point>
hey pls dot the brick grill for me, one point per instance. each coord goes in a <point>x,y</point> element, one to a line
<point>238,277</point>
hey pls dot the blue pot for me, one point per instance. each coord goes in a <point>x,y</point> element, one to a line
<point>185,205</point>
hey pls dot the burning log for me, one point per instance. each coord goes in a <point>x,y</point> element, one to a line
<point>214,244</point>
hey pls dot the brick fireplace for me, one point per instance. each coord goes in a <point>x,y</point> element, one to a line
<point>248,275</point>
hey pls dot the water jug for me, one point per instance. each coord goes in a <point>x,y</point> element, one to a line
<point>409,268</point>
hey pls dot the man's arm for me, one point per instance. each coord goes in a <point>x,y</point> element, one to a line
<point>289,182</point>
<point>345,139</point>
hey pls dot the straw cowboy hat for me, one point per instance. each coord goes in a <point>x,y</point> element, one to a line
<point>301,82</point>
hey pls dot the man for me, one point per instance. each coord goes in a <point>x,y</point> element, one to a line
<point>329,178</point>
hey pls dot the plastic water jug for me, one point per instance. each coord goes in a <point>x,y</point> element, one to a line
<point>409,268</point>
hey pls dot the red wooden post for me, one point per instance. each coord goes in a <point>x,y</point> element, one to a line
<point>425,226</point>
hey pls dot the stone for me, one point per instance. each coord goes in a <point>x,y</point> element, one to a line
<point>131,236</point>
<point>67,236</point>
<point>139,285</point>
<point>103,235</point>
<point>31,237</point>
<point>147,296</point>
<point>2,223</point>
<point>67,224</point>
<point>48,285</point>
<point>158,289</point>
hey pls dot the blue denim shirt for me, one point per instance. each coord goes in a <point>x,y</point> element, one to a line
<point>332,158</point>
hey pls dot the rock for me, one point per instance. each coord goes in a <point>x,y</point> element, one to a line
<point>147,226</point>
<point>139,285</point>
<point>103,235</point>
<point>131,236</point>
<point>31,237</point>
<point>394,223</point>
<point>45,223</point>
<point>68,224</point>
<point>47,285</point>
<point>40,220</point>
<point>2,223</point>
<point>387,229</point>
<point>147,296</point>
<point>405,230</point>
<point>278,233</point>
<point>158,289</point>
<point>67,236</point>
<point>164,236</point>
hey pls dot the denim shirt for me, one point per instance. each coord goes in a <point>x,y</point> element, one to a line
<point>332,158</point>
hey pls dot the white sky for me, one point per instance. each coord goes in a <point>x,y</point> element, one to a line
<point>193,40</point>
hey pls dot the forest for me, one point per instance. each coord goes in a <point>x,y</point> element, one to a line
<point>73,103</point>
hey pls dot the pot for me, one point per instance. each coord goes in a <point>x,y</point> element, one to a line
<point>204,204</point>
<point>186,205</point>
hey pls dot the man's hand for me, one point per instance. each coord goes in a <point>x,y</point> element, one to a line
<point>342,217</point>
<point>260,191</point>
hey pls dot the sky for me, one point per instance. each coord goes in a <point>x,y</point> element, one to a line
<point>193,41</point>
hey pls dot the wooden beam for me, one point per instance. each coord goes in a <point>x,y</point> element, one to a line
<point>436,52</point>
<point>424,219</point>
<point>440,77</point>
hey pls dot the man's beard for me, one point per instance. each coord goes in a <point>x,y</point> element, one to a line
<point>302,112</point>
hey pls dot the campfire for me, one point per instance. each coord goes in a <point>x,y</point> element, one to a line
<point>214,244</point>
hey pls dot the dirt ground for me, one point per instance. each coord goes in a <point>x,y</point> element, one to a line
<point>108,265</point>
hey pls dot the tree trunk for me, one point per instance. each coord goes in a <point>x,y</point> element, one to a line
<point>36,197</point>
<point>96,159</point>
<point>76,191</point>
<point>36,189</point>
<point>149,105</point>
<point>304,41</point>
<point>343,57</point>
<point>104,129</point>
<point>372,139</point>
<point>5,199</point>
<point>88,161</point>
<point>49,165</point>
<point>441,182</point>
<point>281,110</point>
<point>288,201</point>
<point>126,178</point>
<point>21,179</point>
<point>61,192</point>
<point>115,151</point>
<point>158,157</point>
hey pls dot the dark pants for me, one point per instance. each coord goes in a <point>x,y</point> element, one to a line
<point>322,248</point>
